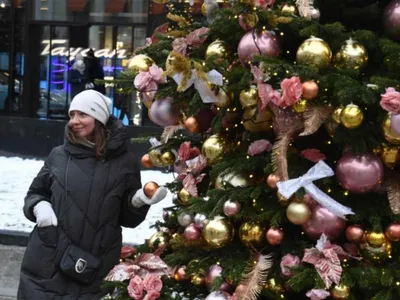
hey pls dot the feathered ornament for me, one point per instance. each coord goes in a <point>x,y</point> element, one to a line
<point>314,117</point>
<point>393,191</point>
<point>305,7</point>
<point>256,276</point>
<point>169,131</point>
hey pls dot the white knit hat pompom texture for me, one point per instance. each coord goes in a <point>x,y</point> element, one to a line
<point>92,103</point>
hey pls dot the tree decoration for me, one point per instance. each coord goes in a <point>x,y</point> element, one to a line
<point>248,21</point>
<point>351,116</point>
<point>218,232</point>
<point>340,292</point>
<point>314,52</point>
<point>391,19</point>
<point>251,234</point>
<point>139,63</point>
<point>255,277</point>
<point>351,56</point>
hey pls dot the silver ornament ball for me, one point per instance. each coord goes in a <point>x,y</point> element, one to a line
<point>184,219</point>
<point>200,220</point>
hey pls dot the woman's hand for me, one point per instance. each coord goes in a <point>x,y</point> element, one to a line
<point>140,199</point>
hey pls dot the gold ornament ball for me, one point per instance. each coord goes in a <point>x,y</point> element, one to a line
<point>300,106</point>
<point>336,114</point>
<point>250,20</point>
<point>155,158</point>
<point>351,56</point>
<point>390,156</point>
<point>340,292</point>
<point>231,179</point>
<point>249,98</point>
<point>183,197</point>
<point>375,239</point>
<point>224,99</point>
<point>257,122</point>
<point>374,254</point>
<point>391,136</point>
<point>298,213</point>
<point>218,50</point>
<point>218,233</point>
<point>251,234</point>
<point>139,63</point>
<point>204,9</point>
<point>351,116</point>
<point>314,52</point>
<point>197,279</point>
<point>289,9</point>
<point>310,90</point>
<point>168,158</point>
<point>157,240</point>
<point>213,148</point>
<point>273,286</point>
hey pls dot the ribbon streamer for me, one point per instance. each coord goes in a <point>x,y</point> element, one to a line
<point>319,171</point>
<point>201,85</point>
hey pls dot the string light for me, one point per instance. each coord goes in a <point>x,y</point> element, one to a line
<point>346,193</point>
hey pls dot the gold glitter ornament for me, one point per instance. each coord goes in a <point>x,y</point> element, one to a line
<point>314,52</point>
<point>300,106</point>
<point>390,156</point>
<point>251,234</point>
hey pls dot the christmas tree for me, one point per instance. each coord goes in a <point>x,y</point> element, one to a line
<point>282,124</point>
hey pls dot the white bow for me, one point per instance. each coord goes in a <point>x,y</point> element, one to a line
<point>206,94</point>
<point>319,171</point>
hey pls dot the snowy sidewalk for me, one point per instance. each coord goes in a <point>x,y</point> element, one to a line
<point>10,262</point>
<point>16,175</point>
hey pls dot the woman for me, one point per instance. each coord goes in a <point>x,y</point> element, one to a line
<point>77,77</point>
<point>87,189</point>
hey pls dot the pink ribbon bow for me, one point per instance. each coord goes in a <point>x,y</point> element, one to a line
<point>325,258</point>
<point>194,39</point>
<point>147,82</point>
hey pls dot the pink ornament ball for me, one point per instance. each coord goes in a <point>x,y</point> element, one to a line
<point>253,44</point>
<point>395,123</point>
<point>164,112</point>
<point>213,272</point>
<point>391,19</point>
<point>192,233</point>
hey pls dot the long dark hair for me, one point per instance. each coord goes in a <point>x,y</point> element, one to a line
<point>99,138</point>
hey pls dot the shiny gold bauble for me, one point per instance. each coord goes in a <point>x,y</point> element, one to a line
<point>249,98</point>
<point>155,157</point>
<point>314,52</point>
<point>300,106</point>
<point>298,213</point>
<point>183,197</point>
<point>351,116</point>
<point>273,286</point>
<point>351,56</point>
<point>340,292</point>
<point>257,122</point>
<point>213,148</point>
<point>310,90</point>
<point>168,158</point>
<point>289,9</point>
<point>390,135</point>
<point>139,63</point>
<point>192,125</point>
<point>218,233</point>
<point>374,254</point>
<point>251,234</point>
<point>218,50</point>
<point>224,99</point>
<point>146,161</point>
<point>160,1</point>
<point>204,9</point>
<point>375,239</point>
<point>197,279</point>
<point>150,188</point>
<point>157,240</point>
<point>390,156</point>
<point>336,114</point>
<point>233,180</point>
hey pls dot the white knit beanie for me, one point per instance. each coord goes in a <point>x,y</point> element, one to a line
<point>92,103</point>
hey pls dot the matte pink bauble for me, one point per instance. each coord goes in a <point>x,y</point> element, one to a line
<point>355,234</point>
<point>395,123</point>
<point>393,232</point>
<point>164,113</point>
<point>218,295</point>
<point>359,173</point>
<point>274,236</point>
<point>192,233</point>
<point>323,221</point>
<point>391,19</point>
<point>231,208</point>
<point>213,272</point>
<point>253,44</point>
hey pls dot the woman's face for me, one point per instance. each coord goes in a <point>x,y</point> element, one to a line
<point>81,124</point>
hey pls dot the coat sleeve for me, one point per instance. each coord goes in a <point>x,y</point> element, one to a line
<point>39,190</point>
<point>131,216</point>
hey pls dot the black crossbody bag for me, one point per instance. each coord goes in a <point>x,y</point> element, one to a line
<point>76,263</point>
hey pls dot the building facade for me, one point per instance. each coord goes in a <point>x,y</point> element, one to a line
<point>39,40</point>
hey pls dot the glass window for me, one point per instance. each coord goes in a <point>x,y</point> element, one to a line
<point>5,47</point>
<point>132,11</point>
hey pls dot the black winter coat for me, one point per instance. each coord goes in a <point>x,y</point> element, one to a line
<point>98,203</point>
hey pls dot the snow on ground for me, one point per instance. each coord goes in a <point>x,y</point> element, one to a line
<point>16,175</point>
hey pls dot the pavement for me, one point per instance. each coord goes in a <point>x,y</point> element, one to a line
<point>10,262</point>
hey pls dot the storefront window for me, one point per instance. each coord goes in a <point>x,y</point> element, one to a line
<point>132,11</point>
